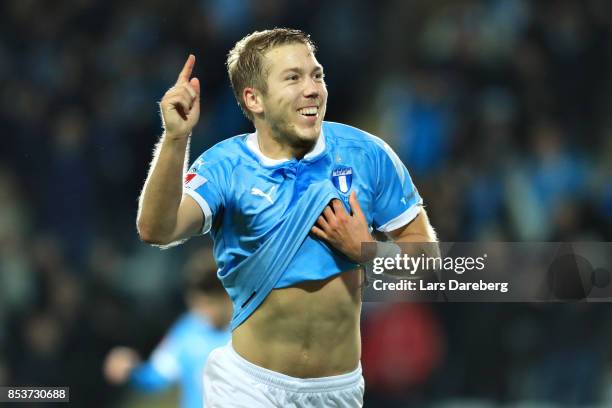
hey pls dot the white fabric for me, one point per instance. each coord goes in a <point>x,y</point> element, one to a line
<point>253,144</point>
<point>232,381</point>
<point>403,219</point>
<point>205,209</point>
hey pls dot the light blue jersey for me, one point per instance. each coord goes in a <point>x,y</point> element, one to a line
<point>181,357</point>
<point>260,210</point>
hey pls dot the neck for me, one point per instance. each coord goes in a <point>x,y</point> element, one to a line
<point>276,146</point>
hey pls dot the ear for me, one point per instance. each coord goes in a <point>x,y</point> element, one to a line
<point>252,100</point>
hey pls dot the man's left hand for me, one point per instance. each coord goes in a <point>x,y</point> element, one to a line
<point>342,230</point>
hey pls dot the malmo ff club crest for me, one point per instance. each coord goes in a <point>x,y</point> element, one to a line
<point>342,177</point>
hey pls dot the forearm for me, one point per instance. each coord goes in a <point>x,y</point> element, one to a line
<point>420,244</point>
<point>161,196</point>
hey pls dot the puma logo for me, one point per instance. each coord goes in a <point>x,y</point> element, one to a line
<point>268,196</point>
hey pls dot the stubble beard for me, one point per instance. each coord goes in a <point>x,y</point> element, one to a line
<point>285,133</point>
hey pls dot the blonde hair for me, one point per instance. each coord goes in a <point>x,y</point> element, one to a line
<point>245,61</point>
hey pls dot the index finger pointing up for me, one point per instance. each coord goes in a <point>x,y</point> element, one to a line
<point>187,69</point>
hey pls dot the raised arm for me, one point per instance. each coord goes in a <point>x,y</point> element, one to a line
<point>165,215</point>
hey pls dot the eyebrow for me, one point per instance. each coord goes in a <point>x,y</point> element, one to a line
<point>300,70</point>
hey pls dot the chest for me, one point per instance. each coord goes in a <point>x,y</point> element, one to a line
<point>264,195</point>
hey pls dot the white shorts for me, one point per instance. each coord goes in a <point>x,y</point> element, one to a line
<point>230,381</point>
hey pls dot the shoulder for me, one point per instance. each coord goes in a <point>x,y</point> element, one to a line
<point>227,152</point>
<point>228,148</point>
<point>373,147</point>
<point>349,136</point>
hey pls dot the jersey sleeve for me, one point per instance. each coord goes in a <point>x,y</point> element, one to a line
<point>163,367</point>
<point>147,378</point>
<point>206,182</point>
<point>397,200</point>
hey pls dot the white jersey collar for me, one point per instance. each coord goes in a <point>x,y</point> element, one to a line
<point>253,145</point>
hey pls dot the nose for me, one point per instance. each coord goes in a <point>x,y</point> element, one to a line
<point>312,88</point>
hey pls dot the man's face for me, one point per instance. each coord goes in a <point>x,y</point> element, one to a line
<point>296,99</point>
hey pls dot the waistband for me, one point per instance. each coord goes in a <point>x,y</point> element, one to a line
<point>294,384</point>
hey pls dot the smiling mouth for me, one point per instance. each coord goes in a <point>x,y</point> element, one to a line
<point>309,112</point>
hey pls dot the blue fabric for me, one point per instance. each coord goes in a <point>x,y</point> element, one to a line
<point>262,213</point>
<point>181,357</point>
<point>246,284</point>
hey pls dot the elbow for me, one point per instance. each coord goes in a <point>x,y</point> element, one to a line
<point>148,235</point>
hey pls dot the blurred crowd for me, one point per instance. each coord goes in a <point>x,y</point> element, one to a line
<point>500,109</point>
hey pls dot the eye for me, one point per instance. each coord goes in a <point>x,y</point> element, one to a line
<point>292,77</point>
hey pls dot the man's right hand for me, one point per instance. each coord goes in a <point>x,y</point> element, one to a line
<point>180,106</point>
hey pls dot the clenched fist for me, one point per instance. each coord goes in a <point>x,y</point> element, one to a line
<point>180,106</point>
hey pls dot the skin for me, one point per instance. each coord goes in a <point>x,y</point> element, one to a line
<point>310,329</point>
<point>295,80</point>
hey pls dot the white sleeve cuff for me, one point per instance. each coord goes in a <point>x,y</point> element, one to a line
<point>404,218</point>
<point>205,209</point>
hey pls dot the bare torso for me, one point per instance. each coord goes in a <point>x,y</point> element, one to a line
<point>308,330</point>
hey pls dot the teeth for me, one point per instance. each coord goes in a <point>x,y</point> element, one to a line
<point>309,111</point>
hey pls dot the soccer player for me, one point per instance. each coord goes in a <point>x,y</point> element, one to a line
<point>182,354</point>
<point>288,207</point>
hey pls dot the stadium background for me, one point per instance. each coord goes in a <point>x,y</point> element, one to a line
<point>500,109</point>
